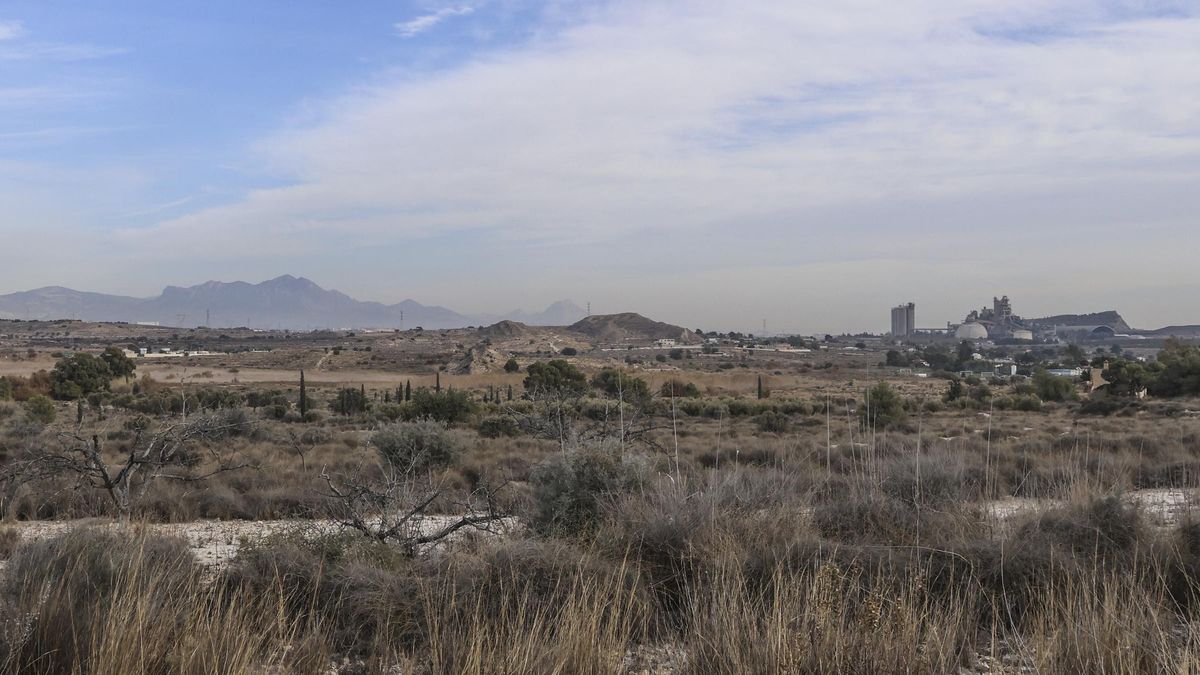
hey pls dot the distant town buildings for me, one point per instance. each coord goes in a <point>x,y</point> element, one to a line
<point>904,320</point>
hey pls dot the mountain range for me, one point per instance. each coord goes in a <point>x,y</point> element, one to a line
<point>285,302</point>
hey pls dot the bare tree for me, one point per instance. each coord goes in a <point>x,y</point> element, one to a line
<point>301,446</point>
<point>394,507</point>
<point>164,455</point>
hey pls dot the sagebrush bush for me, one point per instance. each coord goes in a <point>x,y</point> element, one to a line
<point>497,426</point>
<point>1101,528</point>
<point>774,422</point>
<point>569,488</point>
<point>417,446</point>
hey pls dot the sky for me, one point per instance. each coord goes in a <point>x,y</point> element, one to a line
<point>712,164</point>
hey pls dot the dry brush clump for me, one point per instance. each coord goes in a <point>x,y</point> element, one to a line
<point>109,601</point>
<point>730,580</point>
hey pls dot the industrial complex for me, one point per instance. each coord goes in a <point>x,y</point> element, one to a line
<point>999,323</point>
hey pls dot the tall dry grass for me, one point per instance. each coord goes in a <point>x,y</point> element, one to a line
<point>100,601</point>
<point>1103,621</point>
<point>763,598</point>
<point>598,620</point>
<point>832,620</point>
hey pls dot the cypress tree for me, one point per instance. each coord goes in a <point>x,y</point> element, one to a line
<point>408,390</point>
<point>303,396</point>
<point>437,382</point>
<point>760,386</point>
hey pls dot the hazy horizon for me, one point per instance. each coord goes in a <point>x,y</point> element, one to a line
<point>709,164</point>
<point>772,328</point>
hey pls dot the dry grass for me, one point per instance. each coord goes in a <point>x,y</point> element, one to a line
<point>832,620</point>
<point>734,588</point>
<point>1107,623</point>
<point>97,601</point>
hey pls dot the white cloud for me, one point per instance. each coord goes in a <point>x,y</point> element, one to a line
<point>806,133</point>
<point>423,23</point>
<point>10,30</point>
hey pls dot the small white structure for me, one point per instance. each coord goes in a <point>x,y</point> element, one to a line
<point>1065,372</point>
<point>663,343</point>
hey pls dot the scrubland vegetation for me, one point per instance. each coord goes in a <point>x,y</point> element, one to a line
<point>591,522</point>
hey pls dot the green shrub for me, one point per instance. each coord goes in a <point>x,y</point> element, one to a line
<point>774,422</point>
<point>40,409</point>
<point>882,407</point>
<point>1027,403</point>
<point>448,406</point>
<point>1053,388</point>
<point>417,446</point>
<point>792,406</point>
<point>497,426</point>
<point>78,375</point>
<point>679,389</point>
<point>555,376</point>
<point>617,383</point>
<point>569,490</point>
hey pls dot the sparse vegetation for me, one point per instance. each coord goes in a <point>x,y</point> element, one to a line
<point>605,514</point>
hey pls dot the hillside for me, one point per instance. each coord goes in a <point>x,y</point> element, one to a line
<point>505,330</point>
<point>1109,318</point>
<point>1189,331</point>
<point>285,302</point>
<point>629,326</point>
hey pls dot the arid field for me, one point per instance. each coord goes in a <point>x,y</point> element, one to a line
<point>529,500</point>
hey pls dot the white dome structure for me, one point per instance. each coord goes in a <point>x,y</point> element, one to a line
<point>971,331</point>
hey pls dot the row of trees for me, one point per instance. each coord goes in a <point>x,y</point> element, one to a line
<point>1176,372</point>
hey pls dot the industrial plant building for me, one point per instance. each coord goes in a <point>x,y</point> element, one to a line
<point>904,320</point>
<point>993,323</point>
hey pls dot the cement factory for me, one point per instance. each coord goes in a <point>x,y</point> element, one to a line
<point>999,323</point>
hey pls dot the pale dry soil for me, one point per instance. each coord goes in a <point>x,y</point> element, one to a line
<point>216,542</point>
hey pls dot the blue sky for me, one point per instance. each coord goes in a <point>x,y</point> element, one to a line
<point>710,163</point>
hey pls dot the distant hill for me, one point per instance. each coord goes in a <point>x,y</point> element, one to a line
<point>1109,318</point>
<point>561,313</point>
<point>285,302</point>
<point>1192,331</point>
<point>56,302</point>
<point>629,326</point>
<point>503,330</point>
